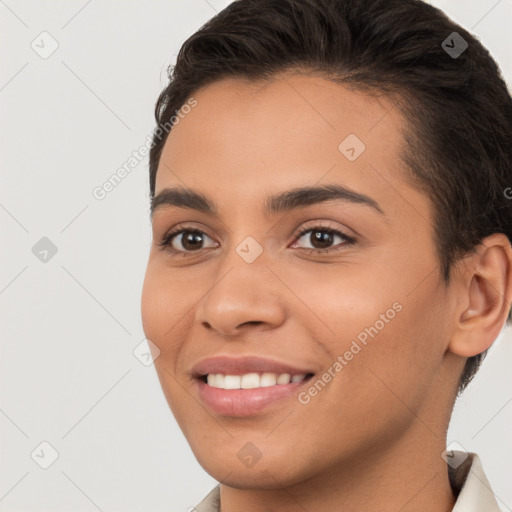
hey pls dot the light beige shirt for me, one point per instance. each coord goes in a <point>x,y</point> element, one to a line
<point>474,494</point>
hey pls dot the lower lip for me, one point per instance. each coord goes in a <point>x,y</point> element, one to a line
<point>245,402</point>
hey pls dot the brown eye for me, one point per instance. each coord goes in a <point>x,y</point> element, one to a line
<point>185,240</point>
<point>323,239</point>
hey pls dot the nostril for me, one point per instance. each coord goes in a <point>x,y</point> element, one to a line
<point>252,322</point>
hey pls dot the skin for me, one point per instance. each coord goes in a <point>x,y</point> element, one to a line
<point>372,438</point>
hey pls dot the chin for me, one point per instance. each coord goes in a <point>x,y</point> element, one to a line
<point>273,471</point>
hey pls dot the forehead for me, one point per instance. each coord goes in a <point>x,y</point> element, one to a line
<point>297,129</point>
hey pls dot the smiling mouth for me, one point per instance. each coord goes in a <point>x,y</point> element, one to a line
<point>252,380</point>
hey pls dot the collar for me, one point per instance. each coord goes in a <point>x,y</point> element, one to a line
<point>469,483</point>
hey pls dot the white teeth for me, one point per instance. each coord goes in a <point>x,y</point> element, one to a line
<point>232,381</point>
<point>284,378</point>
<point>268,379</point>
<point>251,380</point>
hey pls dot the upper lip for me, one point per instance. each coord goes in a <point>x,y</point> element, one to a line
<point>229,365</point>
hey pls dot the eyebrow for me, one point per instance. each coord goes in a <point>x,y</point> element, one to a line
<point>278,203</point>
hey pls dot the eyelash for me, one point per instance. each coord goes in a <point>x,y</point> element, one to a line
<point>167,239</point>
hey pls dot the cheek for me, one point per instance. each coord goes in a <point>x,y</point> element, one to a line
<point>401,360</point>
<point>342,301</point>
<point>151,304</point>
<point>160,311</point>
<point>161,308</point>
<point>390,338</point>
<point>167,311</point>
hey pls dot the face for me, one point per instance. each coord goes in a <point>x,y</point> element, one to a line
<point>344,285</point>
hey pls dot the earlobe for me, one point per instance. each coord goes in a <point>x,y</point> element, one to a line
<point>485,288</point>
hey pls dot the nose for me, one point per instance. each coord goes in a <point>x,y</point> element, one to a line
<point>245,296</point>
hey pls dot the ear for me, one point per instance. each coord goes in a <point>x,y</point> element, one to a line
<point>484,289</point>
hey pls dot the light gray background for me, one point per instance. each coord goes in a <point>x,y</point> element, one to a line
<point>68,373</point>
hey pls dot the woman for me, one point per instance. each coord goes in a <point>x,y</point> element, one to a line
<point>331,252</point>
